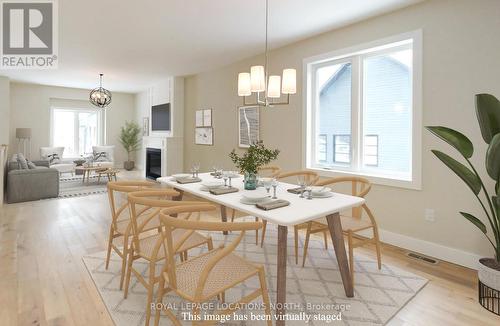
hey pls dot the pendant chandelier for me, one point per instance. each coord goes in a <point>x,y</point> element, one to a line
<point>100,96</point>
<point>267,88</point>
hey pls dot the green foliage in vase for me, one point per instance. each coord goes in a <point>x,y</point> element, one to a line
<point>129,138</point>
<point>255,157</point>
<point>488,116</point>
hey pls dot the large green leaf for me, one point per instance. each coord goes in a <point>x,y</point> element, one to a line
<point>493,158</point>
<point>454,138</point>
<point>461,170</point>
<point>474,220</point>
<point>488,115</point>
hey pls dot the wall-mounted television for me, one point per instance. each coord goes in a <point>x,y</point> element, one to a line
<point>160,117</point>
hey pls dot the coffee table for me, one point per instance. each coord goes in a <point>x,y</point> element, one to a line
<point>86,171</point>
<point>110,173</point>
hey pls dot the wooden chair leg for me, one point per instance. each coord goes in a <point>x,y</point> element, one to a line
<point>233,213</point>
<point>377,247</point>
<point>110,243</point>
<point>296,240</point>
<point>256,233</point>
<point>325,239</point>
<point>124,260</point>
<point>264,225</point>
<point>351,255</point>
<point>151,287</point>
<point>265,296</point>
<point>159,300</point>
<point>130,260</point>
<point>306,243</point>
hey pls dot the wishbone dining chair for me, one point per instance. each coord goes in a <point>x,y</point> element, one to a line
<point>351,224</point>
<point>146,246</point>
<point>310,177</point>
<point>209,275</point>
<point>120,218</point>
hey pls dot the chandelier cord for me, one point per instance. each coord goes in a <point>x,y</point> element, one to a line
<point>266,55</point>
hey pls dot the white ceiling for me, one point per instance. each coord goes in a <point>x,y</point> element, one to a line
<point>136,43</point>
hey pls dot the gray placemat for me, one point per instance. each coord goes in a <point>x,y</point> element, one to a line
<point>273,204</point>
<point>224,190</point>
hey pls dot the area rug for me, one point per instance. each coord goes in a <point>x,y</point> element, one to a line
<point>315,291</point>
<point>74,187</point>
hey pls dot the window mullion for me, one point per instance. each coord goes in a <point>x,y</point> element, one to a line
<point>356,113</point>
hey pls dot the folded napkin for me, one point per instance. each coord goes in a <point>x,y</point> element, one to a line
<point>273,204</point>
<point>223,190</point>
<point>296,191</point>
<point>188,180</point>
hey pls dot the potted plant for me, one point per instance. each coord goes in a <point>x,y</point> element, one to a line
<point>129,138</point>
<point>249,163</point>
<point>488,115</point>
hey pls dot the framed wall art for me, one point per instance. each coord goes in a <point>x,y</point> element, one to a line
<point>145,126</point>
<point>204,136</point>
<point>248,125</point>
<point>204,118</point>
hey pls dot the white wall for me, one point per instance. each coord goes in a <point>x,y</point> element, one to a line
<point>170,90</point>
<point>460,58</point>
<point>30,108</point>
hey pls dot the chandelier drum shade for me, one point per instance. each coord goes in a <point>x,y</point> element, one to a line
<point>100,96</point>
<point>268,88</point>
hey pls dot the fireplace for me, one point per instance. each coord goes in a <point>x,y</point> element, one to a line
<point>153,163</point>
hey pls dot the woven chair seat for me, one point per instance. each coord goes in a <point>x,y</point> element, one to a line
<point>148,244</point>
<point>229,271</point>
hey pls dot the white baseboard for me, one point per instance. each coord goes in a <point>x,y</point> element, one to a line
<point>431,249</point>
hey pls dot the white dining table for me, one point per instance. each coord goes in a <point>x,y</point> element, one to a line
<point>299,211</point>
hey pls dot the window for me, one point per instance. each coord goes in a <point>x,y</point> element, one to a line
<point>342,146</point>
<point>367,101</point>
<point>371,150</point>
<point>322,148</point>
<point>77,130</point>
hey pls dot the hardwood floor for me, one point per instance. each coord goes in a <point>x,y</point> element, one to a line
<point>44,281</point>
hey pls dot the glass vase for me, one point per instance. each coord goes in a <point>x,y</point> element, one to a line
<point>250,181</point>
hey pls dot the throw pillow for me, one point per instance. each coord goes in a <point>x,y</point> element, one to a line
<point>101,157</point>
<point>47,153</point>
<point>53,158</point>
<point>31,165</point>
<point>23,163</point>
<point>108,149</point>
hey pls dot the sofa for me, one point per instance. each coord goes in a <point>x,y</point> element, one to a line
<point>31,184</point>
<point>54,155</point>
<point>104,155</point>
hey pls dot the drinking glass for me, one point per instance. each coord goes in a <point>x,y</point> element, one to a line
<point>196,167</point>
<point>225,176</point>
<point>274,183</point>
<point>267,184</point>
<point>301,181</point>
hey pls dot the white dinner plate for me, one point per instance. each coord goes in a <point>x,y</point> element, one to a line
<point>255,195</point>
<point>320,190</point>
<point>253,202</point>
<point>213,184</point>
<point>322,195</point>
<point>180,176</point>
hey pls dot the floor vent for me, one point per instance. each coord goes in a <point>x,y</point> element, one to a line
<point>423,258</point>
